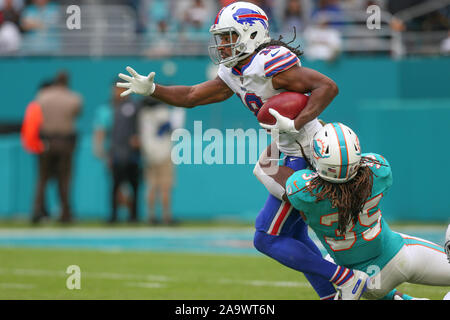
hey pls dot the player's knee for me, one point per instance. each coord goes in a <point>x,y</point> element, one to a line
<point>262,241</point>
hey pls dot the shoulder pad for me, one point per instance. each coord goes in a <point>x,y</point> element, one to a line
<point>380,170</point>
<point>277,59</point>
<point>382,178</point>
<point>295,185</point>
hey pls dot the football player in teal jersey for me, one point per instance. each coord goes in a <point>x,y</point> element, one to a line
<point>340,200</point>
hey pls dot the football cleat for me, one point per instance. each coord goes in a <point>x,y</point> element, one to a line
<point>354,288</point>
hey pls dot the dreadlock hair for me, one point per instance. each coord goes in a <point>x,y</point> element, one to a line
<point>281,43</point>
<point>349,197</point>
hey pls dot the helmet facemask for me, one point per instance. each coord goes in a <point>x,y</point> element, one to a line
<point>217,45</point>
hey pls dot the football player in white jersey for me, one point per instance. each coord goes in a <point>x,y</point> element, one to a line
<point>256,67</point>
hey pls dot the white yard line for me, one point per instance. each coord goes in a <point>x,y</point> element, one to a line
<point>266,283</point>
<point>98,275</point>
<point>145,280</point>
<point>9,285</point>
<point>146,285</point>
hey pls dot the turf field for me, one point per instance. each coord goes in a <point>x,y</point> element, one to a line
<point>32,268</point>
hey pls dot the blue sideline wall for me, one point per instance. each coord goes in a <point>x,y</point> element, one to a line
<point>400,109</point>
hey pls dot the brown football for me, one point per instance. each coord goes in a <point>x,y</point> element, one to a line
<point>288,104</point>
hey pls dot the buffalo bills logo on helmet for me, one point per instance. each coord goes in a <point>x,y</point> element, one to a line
<point>249,16</point>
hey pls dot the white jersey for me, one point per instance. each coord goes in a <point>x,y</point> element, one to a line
<point>156,147</point>
<point>253,85</point>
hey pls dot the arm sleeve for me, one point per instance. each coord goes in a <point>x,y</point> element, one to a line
<point>271,185</point>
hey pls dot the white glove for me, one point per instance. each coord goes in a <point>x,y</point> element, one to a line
<point>283,124</point>
<point>447,243</point>
<point>137,84</point>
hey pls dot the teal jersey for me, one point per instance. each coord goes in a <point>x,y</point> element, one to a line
<point>367,242</point>
<point>103,120</point>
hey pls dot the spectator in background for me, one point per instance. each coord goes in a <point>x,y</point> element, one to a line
<point>196,20</point>
<point>436,20</point>
<point>160,28</point>
<point>156,122</point>
<point>322,41</point>
<point>31,129</point>
<point>60,108</point>
<point>40,21</point>
<point>124,154</point>
<point>103,122</point>
<point>162,41</point>
<point>330,9</point>
<point>292,17</point>
<point>11,10</point>
<point>154,11</point>
<point>10,37</point>
<point>445,45</point>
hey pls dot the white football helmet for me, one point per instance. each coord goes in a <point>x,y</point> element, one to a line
<point>251,25</point>
<point>336,153</point>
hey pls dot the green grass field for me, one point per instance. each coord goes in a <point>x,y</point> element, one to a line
<point>41,274</point>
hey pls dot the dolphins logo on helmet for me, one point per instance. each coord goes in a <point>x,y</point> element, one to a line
<point>336,153</point>
<point>319,149</point>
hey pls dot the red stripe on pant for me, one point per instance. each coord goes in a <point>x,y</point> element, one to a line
<point>280,219</point>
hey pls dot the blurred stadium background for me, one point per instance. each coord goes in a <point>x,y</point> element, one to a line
<point>394,92</point>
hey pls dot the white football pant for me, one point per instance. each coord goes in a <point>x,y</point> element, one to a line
<point>419,261</point>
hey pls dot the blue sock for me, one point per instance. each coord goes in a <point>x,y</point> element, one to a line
<point>341,275</point>
<point>324,289</point>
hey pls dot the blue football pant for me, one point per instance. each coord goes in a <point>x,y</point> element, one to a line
<point>282,235</point>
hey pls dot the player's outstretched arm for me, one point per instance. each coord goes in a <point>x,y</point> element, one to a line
<point>181,96</point>
<point>304,80</point>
